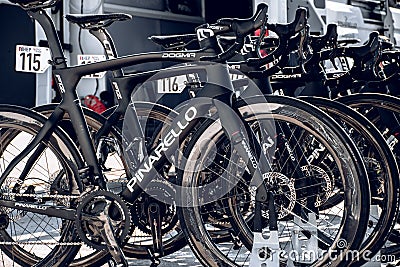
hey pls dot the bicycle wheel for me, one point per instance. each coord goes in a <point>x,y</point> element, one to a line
<point>311,128</point>
<point>27,237</point>
<point>382,173</point>
<point>382,111</point>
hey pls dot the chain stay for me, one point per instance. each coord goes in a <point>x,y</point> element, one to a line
<point>8,243</point>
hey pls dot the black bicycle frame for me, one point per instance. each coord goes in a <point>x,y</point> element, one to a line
<point>219,91</point>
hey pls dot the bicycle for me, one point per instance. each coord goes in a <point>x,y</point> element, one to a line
<point>88,217</point>
<point>103,127</point>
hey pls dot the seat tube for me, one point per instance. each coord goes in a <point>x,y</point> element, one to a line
<point>83,136</point>
<point>72,105</point>
<point>109,47</point>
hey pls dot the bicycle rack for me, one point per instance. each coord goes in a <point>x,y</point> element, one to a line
<point>374,262</point>
<point>266,250</point>
<point>304,250</point>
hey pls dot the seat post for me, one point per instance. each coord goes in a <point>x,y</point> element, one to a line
<point>97,26</point>
<point>108,44</point>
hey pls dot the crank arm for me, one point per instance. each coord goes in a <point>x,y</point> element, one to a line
<point>155,223</point>
<point>112,245</point>
<point>107,232</point>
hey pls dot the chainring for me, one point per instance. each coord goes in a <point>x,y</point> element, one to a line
<point>89,210</point>
<point>169,217</point>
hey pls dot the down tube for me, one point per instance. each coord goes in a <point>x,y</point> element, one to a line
<point>181,126</point>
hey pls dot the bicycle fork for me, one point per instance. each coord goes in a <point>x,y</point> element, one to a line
<point>265,249</point>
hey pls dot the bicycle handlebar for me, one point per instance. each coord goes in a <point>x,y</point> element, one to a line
<point>241,28</point>
<point>284,32</point>
<point>317,43</point>
<point>294,43</point>
<point>298,24</point>
<point>359,52</point>
<point>365,58</point>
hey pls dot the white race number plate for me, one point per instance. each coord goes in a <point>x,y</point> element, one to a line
<point>32,59</point>
<point>87,59</point>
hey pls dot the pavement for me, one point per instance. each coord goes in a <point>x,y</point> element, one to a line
<point>184,257</point>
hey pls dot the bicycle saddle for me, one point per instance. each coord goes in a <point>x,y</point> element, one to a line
<point>96,21</point>
<point>173,41</point>
<point>35,4</point>
<point>24,2</point>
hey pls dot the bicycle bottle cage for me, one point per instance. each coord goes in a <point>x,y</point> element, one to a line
<point>96,21</point>
<point>35,4</point>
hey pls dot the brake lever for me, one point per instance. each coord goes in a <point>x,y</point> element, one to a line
<point>304,34</point>
<point>376,68</point>
<point>263,31</point>
<point>332,57</point>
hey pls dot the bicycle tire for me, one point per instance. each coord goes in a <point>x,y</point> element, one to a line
<point>389,179</point>
<point>374,101</point>
<point>20,122</point>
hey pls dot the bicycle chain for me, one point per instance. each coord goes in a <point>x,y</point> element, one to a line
<point>40,196</point>
<point>7,243</point>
